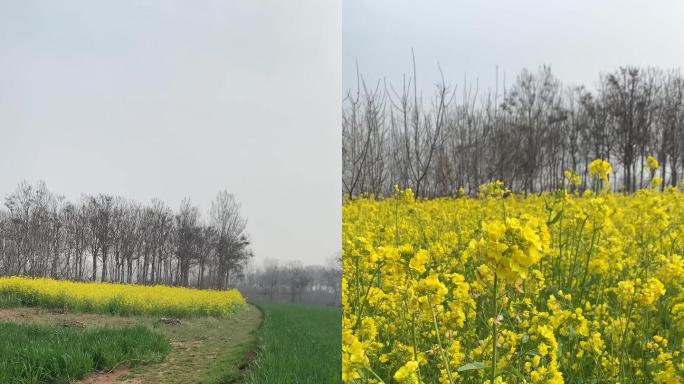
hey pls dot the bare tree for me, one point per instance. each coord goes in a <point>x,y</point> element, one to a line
<point>187,236</point>
<point>271,278</point>
<point>526,136</point>
<point>231,244</point>
<point>296,280</point>
<point>419,133</point>
<point>109,238</point>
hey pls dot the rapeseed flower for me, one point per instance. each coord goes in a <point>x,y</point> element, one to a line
<point>591,287</point>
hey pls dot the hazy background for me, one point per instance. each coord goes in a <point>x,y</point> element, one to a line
<point>579,39</point>
<point>171,99</point>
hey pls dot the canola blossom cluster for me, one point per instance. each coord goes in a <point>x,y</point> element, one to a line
<point>119,298</point>
<point>562,287</point>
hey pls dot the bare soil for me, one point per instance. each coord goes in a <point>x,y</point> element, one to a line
<point>113,377</point>
<point>42,316</point>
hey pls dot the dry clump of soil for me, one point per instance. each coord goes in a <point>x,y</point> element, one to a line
<point>70,323</point>
<point>169,321</point>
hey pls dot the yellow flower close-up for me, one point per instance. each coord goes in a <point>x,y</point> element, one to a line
<point>550,288</point>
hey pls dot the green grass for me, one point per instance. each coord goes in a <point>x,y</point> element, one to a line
<point>203,350</point>
<point>299,344</point>
<point>33,354</point>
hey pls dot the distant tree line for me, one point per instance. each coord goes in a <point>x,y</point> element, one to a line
<point>526,134</point>
<point>294,282</point>
<point>110,238</point>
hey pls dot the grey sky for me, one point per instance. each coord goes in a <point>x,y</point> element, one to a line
<point>578,39</point>
<point>181,98</point>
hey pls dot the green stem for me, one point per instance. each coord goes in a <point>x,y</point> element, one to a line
<point>415,345</point>
<point>494,333</point>
<point>375,375</point>
<point>439,341</point>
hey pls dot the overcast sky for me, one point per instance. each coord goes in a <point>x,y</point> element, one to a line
<point>577,38</point>
<point>170,99</point>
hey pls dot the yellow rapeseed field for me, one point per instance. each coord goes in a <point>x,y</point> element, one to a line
<point>120,298</point>
<point>572,288</point>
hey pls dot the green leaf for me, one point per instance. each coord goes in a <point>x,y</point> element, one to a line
<point>473,365</point>
<point>558,216</point>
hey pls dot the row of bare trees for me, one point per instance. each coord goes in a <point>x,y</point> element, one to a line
<point>526,134</point>
<point>294,282</point>
<point>109,238</point>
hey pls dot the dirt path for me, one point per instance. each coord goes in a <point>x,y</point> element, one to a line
<point>208,348</point>
<point>113,377</point>
<point>48,317</point>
